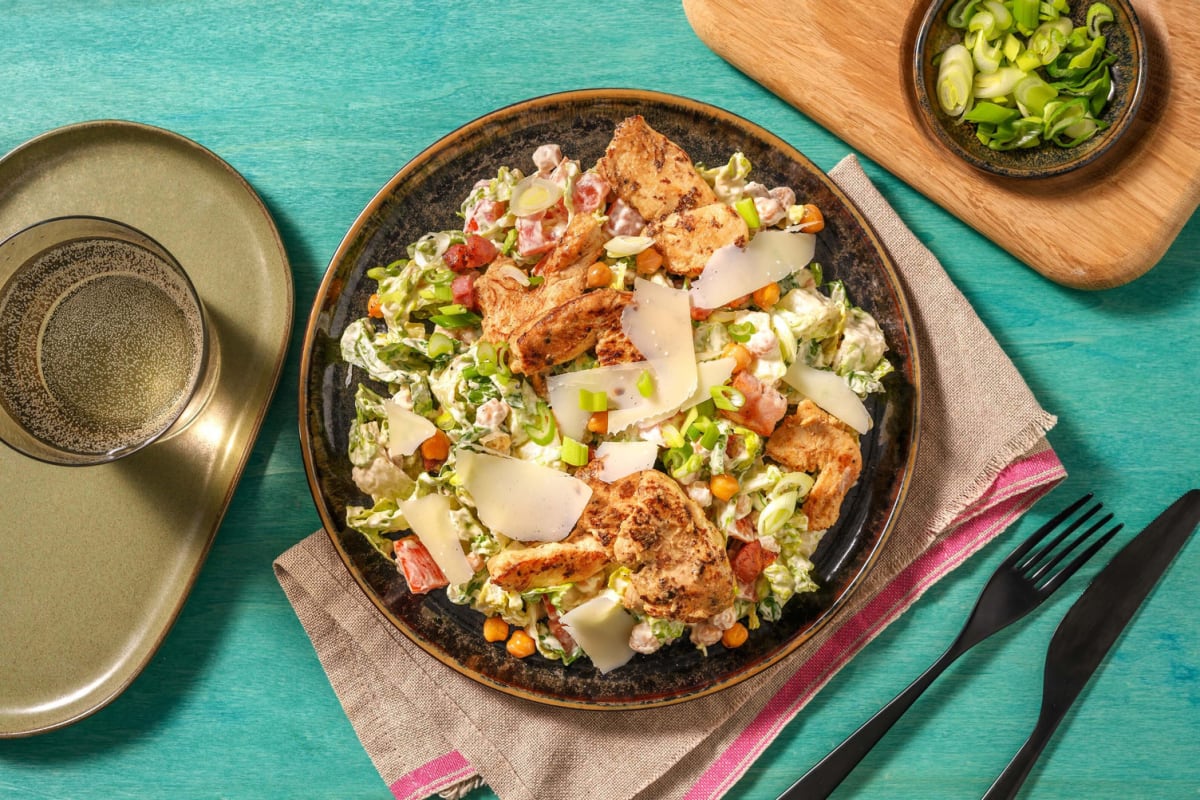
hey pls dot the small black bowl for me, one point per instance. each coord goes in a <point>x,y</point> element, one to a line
<point>1125,39</point>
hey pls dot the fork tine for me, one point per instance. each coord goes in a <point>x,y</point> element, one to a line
<point>1069,570</point>
<point>1043,531</point>
<point>1044,569</point>
<point>1034,559</point>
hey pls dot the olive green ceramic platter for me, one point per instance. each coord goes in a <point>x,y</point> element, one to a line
<point>424,196</point>
<point>95,562</point>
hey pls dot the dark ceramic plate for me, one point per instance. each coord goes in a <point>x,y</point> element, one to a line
<point>424,196</point>
<point>1124,38</point>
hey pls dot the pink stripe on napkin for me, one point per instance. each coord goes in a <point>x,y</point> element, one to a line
<point>1018,487</point>
<point>440,773</point>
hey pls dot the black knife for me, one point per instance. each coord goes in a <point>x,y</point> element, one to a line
<point>1093,624</point>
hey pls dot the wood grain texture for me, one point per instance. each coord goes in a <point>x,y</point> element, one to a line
<point>846,65</point>
<point>318,103</point>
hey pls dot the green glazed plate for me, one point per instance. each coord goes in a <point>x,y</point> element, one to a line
<point>95,562</point>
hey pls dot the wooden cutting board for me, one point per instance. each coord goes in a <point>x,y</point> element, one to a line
<point>845,65</point>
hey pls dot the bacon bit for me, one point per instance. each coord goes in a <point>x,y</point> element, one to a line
<point>701,314</point>
<point>750,560</point>
<point>480,252</point>
<point>475,253</point>
<point>764,407</point>
<point>420,571</point>
<point>462,289</point>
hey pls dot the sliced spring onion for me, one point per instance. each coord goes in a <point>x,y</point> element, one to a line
<point>741,331</point>
<point>1097,14</point>
<point>1032,94</point>
<point>987,56</point>
<point>727,398</point>
<point>998,83</point>
<point>776,513</point>
<point>956,74</point>
<point>542,429</point>
<point>645,383</point>
<point>440,344</point>
<point>746,208</point>
<point>960,12</point>
<point>1025,12</point>
<point>532,195</point>
<point>485,358</point>
<point>592,402</point>
<point>463,319</point>
<point>991,113</point>
<point>573,452</point>
<point>995,78</point>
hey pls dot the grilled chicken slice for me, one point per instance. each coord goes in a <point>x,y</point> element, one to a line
<point>680,569</point>
<point>582,242</point>
<point>586,551</point>
<point>688,238</point>
<point>571,329</point>
<point>811,439</point>
<point>651,173</point>
<point>507,307</point>
<point>578,557</point>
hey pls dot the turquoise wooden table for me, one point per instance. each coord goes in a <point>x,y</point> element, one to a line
<point>317,104</point>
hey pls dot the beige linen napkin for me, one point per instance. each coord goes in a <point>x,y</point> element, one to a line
<point>982,461</point>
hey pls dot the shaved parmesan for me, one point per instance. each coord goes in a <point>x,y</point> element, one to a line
<point>659,324</point>
<point>831,393</point>
<point>618,382</point>
<point>625,458</point>
<point>429,518</point>
<point>709,374</point>
<point>601,626</point>
<point>406,430</point>
<point>734,272</point>
<point>523,500</point>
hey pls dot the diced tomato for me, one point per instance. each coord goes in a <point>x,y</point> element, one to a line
<point>418,567</point>
<point>750,560</point>
<point>532,236</point>
<point>484,215</point>
<point>590,193</point>
<point>463,289</point>
<point>764,407</point>
<point>556,627</point>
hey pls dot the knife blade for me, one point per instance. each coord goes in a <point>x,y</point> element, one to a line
<point>1092,625</point>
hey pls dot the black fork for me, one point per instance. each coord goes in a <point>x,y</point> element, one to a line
<point>1020,584</point>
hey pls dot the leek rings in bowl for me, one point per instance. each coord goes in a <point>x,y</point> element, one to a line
<point>1029,89</point>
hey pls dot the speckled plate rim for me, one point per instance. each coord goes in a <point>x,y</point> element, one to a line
<point>413,167</point>
<point>240,421</point>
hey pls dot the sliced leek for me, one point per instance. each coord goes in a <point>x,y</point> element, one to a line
<point>1024,75</point>
<point>955,75</point>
